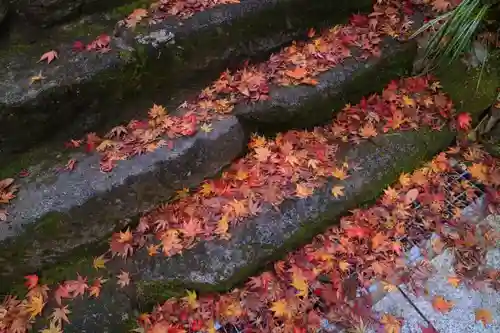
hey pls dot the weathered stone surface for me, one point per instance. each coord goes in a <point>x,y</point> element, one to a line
<point>59,213</point>
<point>85,91</point>
<point>48,12</point>
<point>312,105</point>
<point>4,6</point>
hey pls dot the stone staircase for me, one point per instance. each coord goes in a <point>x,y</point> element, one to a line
<point>71,202</point>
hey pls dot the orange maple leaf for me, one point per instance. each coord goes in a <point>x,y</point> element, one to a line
<point>484,316</point>
<point>441,304</point>
<point>454,281</point>
<point>391,323</point>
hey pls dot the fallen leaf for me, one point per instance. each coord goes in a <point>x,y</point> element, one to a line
<point>280,309</point>
<point>338,191</point>
<point>99,262</point>
<point>53,328</point>
<point>35,305</point>
<point>391,323</point>
<point>411,196</point>
<point>59,315</point>
<point>37,78</point>
<point>191,299</point>
<point>464,121</point>
<point>207,128</point>
<point>484,316</point>
<point>31,281</point>
<point>301,285</point>
<point>442,305</point>
<point>48,56</point>
<point>454,281</point>
<point>123,279</point>
<point>298,73</point>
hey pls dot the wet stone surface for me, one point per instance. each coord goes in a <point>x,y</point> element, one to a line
<point>58,212</point>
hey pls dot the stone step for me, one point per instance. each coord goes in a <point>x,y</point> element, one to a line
<point>83,91</point>
<point>56,214</point>
<point>220,264</point>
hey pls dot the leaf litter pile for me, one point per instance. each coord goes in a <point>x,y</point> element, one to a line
<point>318,280</point>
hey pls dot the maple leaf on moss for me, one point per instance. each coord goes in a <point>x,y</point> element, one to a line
<point>464,121</point>
<point>31,281</point>
<point>340,173</point>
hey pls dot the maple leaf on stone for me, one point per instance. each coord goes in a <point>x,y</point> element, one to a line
<point>77,287</point>
<point>391,323</point>
<point>454,281</point>
<point>441,304</point>
<point>35,305</point>
<point>61,292</point>
<point>31,281</point>
<point>338,191</point>
<point>303,191</point>
<point>484,316</point>
<point>53,328</point>
<point>95,288</point>
<point>48,56</point>
<point>123,279</point>
<point>340,173</point>
<point>99,262</point>
<point>59,315</point>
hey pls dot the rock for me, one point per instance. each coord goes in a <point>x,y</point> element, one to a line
<point>49,12</point>
<point>85,91</point>
<point>4,7</point>
<point>58,213</point>
<point>348,82</point>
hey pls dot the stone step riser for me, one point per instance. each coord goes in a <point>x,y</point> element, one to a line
<point>83,92</point>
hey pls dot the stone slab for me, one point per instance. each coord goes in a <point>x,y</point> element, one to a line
<point>57,213</point>
<point>461,317</point>
<point>348,82</point>
<point>84,90</point>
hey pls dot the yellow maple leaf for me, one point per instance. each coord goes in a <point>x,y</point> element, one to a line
<point>303,191</point>
<point>479,171</point>
<point>35,305</point>
<point>53,328</point>
<point>344,265</point>
<point>99,262</point>
<point>191,299</point>
<point>388,287</point>
<point>338,191</point>
<point>454,281</point>
<point>299,283</point>
<point>404,179</point>
<point>484,316</point>
<point>408,101</point>
<point>340,173</point>
<point>280,309</point>
<point>207,128</point>
<point>391,323</point>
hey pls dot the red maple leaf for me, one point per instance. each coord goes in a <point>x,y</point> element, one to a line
<point>49,56</point>
<point>31,281</point>
<point>464,121</point>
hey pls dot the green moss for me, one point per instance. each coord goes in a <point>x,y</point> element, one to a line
<point>150,293</point>
<point>124,10</point>
<point>471,90</point>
